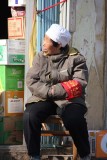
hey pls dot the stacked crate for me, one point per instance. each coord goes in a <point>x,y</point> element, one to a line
<point>12,61</point>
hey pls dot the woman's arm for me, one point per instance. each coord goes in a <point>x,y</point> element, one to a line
<point>75,87</point>
<point>37,87</point>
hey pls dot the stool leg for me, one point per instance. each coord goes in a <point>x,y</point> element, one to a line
<point>75,154</point>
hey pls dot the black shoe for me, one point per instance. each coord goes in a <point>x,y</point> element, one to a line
<point>88,157</point>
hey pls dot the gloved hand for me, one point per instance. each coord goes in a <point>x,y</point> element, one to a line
<point>57,92</point>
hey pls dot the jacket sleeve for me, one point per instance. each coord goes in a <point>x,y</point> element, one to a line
<point>80,72</point>
<point>33,82</point>
<point>75,87</point>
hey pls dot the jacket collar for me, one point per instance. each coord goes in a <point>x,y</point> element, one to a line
<point>58,57</point>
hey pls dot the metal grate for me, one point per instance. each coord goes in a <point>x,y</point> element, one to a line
<point>45,19</point>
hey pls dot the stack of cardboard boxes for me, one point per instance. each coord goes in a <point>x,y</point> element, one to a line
<point>12,61</point>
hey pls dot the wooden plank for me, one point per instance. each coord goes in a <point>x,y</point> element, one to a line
<point>53,119</point>
<point>54,133</point>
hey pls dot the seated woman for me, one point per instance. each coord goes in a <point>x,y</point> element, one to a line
<point>57,81</point>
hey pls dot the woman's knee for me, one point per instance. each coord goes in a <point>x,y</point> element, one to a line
<point>72,122</point>
<point>29,115</point>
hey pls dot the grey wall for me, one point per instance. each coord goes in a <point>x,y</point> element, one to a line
<point>89,38</point>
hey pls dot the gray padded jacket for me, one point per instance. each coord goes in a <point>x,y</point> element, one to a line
<point>47,71</point>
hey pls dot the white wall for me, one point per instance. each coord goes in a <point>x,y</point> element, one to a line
<point>89,39</point>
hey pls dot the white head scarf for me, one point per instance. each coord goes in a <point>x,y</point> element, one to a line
<point>59,34</point>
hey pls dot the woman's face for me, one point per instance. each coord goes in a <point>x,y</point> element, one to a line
<point>48,47</point>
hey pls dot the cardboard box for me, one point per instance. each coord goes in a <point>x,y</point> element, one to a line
<point>11,123</point>
<point>1,137</point>
<point>16,59</point>
<point>12,103</point>
<point>1,124</point>
<point>16,28</point>
<point>16,51</point>
<point>16,2</point>
<point>16,46</point>
<point>11,130</point>
<point>92,140</point>
<point>12,52</point>
<point>101,144</point>
<point>18,11</point>
<point>11,77</point>
<point>11,137</point>
<point>3,52</point>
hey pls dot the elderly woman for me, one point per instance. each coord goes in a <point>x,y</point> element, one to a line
<point>57,81</point>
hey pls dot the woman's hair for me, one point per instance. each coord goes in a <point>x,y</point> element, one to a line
<point>55,44</point>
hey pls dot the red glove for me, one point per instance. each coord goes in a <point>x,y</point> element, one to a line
<point>73,88</point>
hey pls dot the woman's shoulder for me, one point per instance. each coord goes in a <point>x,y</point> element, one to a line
<point>73,51</point>
<point>38,55</point>
<point>75,55</point>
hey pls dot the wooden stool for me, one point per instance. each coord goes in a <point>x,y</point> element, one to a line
<point>55,119</point>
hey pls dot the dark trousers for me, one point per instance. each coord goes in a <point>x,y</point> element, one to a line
<point>73,119</point>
